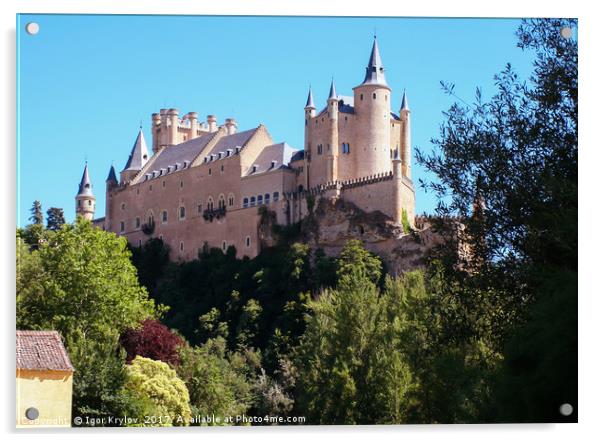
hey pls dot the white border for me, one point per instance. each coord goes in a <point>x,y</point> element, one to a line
<point>590,307</point>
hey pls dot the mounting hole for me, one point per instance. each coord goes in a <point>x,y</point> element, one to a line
<point>32,413</point>
<point>567,33</point>
<point>566,409</point>
<point>32,28</point>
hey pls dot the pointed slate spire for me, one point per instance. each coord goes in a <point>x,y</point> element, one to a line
<point>332,95</point>
<point>375,71</point>
<point>85,186</point>
<point>139,155</point>
<point>310,100</point>
<point>404,102</point>
<point>112,178</point>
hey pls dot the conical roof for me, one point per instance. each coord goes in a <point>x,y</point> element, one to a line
<point>375,71</point>
<point>310,100</point>
<point>139,155</point>
<point>404,102</point>
<point>112,175</point>
<point>85,186</point>
<point>332,95</point>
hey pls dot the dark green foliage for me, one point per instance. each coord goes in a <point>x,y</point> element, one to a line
<point>36,213</point>
<point>55,218</point>
<point>507,166</point>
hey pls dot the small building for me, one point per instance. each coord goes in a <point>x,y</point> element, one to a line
<point>44,380</point>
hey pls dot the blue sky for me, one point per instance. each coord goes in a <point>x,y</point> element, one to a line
<point>85,82</point>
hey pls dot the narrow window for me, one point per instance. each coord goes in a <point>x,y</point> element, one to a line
<point>248,241</point>
<point>224,246</point>
<point>164,216</point>
<point>181,246</point>
<point>121,226</point>
<point>259,200</point>
<point>181,184</point>
<point>252,201</point>
<point>210,171</point>
<point>230,200</point>
<point>89,202</point>
<point>182,212</point>
<point>163,183</point>
<point>122,206</point>
<point>79,203</point>
<point>374,95</point>
<point>276,196</point>
<point>361,97</point>
<point>137,222</point>
<point>199,208</point>
<point>150,188</point>
<point>245,203</point>
<point>266,198</point>
<point>222,168</point>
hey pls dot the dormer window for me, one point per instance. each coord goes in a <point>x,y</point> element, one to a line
<point>254,169</point>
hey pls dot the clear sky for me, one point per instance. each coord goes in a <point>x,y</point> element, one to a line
<point>85,82</point>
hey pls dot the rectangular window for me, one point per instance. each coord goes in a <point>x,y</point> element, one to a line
<point>137,222</point>
<point>122,227</point>
<point>276,196</point>
<point>182,212</point>
<point>164,216</point>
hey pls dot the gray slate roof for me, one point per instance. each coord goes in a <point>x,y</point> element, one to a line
<point>112,175</point>
<point>375,71</point>
<point>404,102</point>
<point>281,153</point>
<point>85,186</point>
<point>139,154</point>
<point>310,100</point>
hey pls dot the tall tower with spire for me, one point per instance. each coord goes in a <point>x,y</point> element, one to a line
<point>310,112</point>
<point>332,151</point>
<point>137,159</point>
<point>85,203</point>
<point>372,102</point>
<point>405,137</point>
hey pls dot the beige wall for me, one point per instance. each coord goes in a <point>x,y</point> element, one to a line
<point>48,391</point>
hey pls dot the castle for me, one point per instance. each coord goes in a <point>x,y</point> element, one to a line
<point>203,183</point>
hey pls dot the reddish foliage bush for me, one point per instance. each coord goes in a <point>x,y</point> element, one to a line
<point>152,340</point>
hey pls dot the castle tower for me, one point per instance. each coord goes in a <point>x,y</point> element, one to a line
<point>397,188</point>
<point>371,149</point>
<point>111,183</point>
<point>137,159</point>
<point>85,203</point>
<point>172,129</point>
<point>310,112</point>
<point>332,151</point>
<point>405,137</point>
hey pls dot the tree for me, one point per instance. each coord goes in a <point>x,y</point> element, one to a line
<point>55,218</point>
<point>158,385</point>
<point>81,282</point>
<point>515,155</point>
<point>84,285</point>
<point>152,340</point>
<point>354,258</point>
<point>219,382</point>
<point>36,213</point>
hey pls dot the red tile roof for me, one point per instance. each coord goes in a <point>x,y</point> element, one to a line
<point>41,350</point>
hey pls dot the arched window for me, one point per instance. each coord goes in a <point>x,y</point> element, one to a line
<point>374,95</point>
<point>248,241</point>
<point>252,201</point>
<point>276,196</point>
<point>266,198</point>
<point>182,212</point>
<point>361,97</point>
<point>181,246</point>
<point>164,216</point>
<point>210,203</point>
<point>259,200</point>
<point>245,202</point>
<point>231,200</point>
<point>221,201</point>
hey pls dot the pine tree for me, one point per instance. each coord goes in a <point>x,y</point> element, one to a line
<point>55,218</point>
<point>36,213</point>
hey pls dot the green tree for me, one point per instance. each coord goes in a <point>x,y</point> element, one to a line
<point>354,258</point>
<point>157,384</point>
<point>81,282</point>
<point>512,160</point>
<point>36,213</point>
<point>219,382</point>
<point>55,218</point>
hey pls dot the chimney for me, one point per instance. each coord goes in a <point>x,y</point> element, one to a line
<point>212,122</point>
<point>230,126</point>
